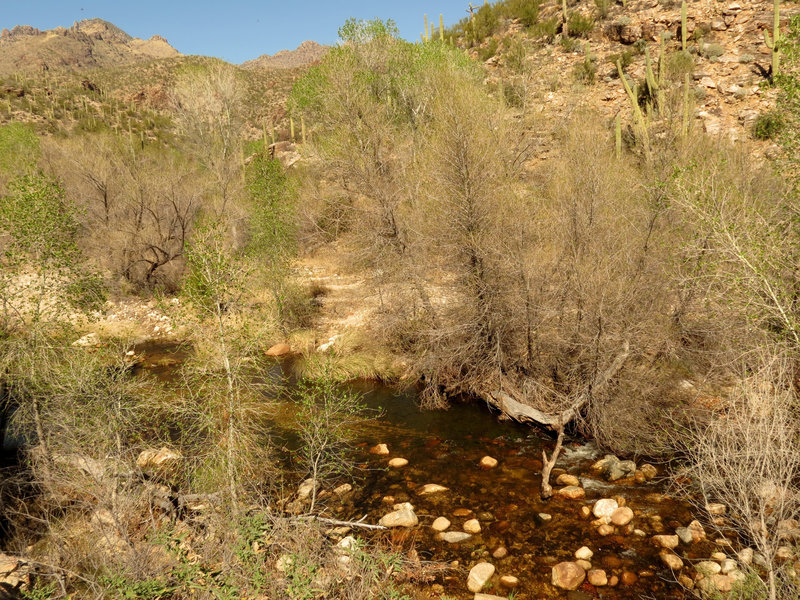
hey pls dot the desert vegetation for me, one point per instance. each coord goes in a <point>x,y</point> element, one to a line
<point>637,286</point>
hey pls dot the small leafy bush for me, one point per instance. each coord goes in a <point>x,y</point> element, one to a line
<point>768,125</point>
<point>579,25</point>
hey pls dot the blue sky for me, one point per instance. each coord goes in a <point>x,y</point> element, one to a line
<point>235,30</point>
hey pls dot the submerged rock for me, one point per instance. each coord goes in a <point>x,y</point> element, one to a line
<point>487,462</point>
<point>598,577</point>
<point>472,526</point>
<point>612,468</point>
<point>622,516</point>
<point>431,488</point>
<point>604,508</point>
<point>440,524</point>
<point>670,542</point>
<point>403,517</point>
<point>572,492</point>
<point>672,561</point>
<point>454,537</point>
<point>584,553</point>
<point>379,449</point>
<point>567,479</point>
<point>397,463</point>
<point>568,575</point>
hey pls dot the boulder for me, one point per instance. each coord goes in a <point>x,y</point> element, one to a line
<point>397,463</point>
<point>379,449</point>
<point>509,582</point>
<point>152,460</point>
<point>479,575</point>
<point>572,492</point>
<point>707,568</point>
<point>604,508</point>
<point>622,516</point>
<point>698,533</point>
<point>404,517</point>
<point>597,577</point>
<point>279,350</point>
<point>487,462</point>
<point>612,468</point>
<point>306,488</point>
<point>672,561</point>
<point>649,471</point>
<point>454,537</point>
<point>472,526</point>
<point>568,575</point>
<point>440,524</point>
<point>670,542</point>
<point>431,488</point>
<point>569,480</point>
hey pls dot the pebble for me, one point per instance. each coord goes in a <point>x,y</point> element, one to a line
<point>605,530</point>
<point>343,489</point>
<point>440,524</point>
<point>431,488</point>
<point>629,577</point>
<point>509,581</point>
<point>545,517</point>
<point>597,577</point>
<point>487,462</point>
<point>397,463</point>
<point>462,512</point>
<point>472,526</point>
<point>584,553</point>
<point>716,509</point>
<point>586,512</point>
<point>613,581</point>
<point>479,576</point>
<point>671,560</point>
<point>707,568</point>
<point>684,534</point>
<point>500,552</point>
<point>454,537</point>
<point>572,492</point>
<point>670,542</point>
<point>567,479</point>
<point>584,564</point>
<point>567,575</point>
<point>622,516</point>
<point>604,507</point>
<point>728,565</point>
<point>379,449</point>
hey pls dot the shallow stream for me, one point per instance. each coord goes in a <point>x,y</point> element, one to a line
<point>445,448</point>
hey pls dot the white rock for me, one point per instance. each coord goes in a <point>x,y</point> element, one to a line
<point>431,488</point>
<point>487,462</point>
<point>472,526</point>
<point>478,576</point>
<point>584,553</point>
<point>400,518</point>
<point>454,537</point>
<point>707,568</point>
<point>440,524</point>
<point>397,463</point>
<point>604,507</point>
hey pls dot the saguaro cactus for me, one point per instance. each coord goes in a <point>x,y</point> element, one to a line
<point>441,27</point>
<point>773,43</point>
<point>683,26</point>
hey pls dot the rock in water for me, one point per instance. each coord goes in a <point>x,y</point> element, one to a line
<point>568,576</point>
<point>604,508</point>
<point>573,492</point>
<point>440,524</point>
<point>622,516</point>
<point>454,537</point>
<point>404,517</point>
<point>487,462</point>
<point>479,575</point>
<point>379,449</point>
<point>431,488</point>
<point>472,526</point>
<point>567,479</point>
<point>397,463</point>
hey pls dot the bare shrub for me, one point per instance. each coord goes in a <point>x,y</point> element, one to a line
<point>746,456</point>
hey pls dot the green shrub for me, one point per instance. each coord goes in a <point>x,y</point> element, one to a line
<point>569,44</point>
<point>489,50</point>
<point>677,65</point>
<point>602,8</point>
<point>526,11</point>
<point>712,51</point>
<point>768,125</point>
<point>585,71</point>
<point>546,30</point>
<point>625,58</point>
<point>579,25</point>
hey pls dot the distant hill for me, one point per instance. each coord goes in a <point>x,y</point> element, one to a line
<point>88,43</point>
<point>306,53</point>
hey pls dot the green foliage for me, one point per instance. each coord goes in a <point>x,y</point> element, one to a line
<point>488,51</point>
<point>515,55</point>
<point>602,8</point>
<point>676,65</point>
<point>768,125</point>
<point>547,30</point>
<point>586,71</point>
<point>579,25</point>
<point>358,31</point>
<point>483,24</point>
<point>19,149</point>
<point>625,58</point>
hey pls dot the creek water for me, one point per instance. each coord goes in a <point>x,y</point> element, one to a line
<point>445,447</point>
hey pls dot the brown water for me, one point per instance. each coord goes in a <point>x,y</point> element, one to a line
<point>444,447</point>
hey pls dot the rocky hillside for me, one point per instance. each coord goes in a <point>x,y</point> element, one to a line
<point>306,53</point>
<point>726,58</point>
<point>89,43</point>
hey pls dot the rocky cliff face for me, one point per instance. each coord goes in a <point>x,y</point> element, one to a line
<point>89,43</point>
<point>306,53</point>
